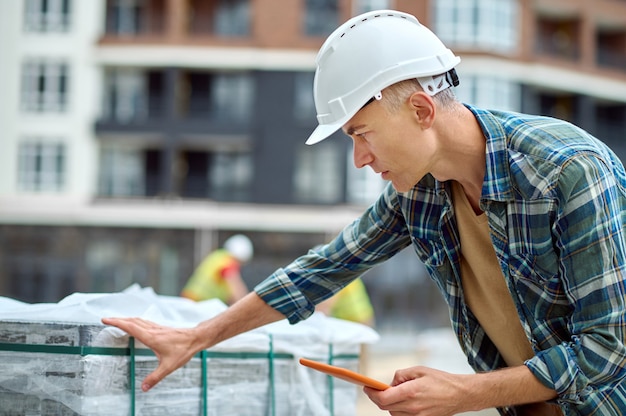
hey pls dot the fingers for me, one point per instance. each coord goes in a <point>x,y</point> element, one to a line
<point>135,326</point>
<point>408,374</point>
<point>168,344</point>
<point>121,323</point>
<point>155,377</point>
<point>152,379</point>
<point>127,322</point>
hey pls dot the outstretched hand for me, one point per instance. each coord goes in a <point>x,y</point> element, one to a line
<point>173,347</point>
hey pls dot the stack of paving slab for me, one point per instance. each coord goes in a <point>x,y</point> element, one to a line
<point>58,359</point>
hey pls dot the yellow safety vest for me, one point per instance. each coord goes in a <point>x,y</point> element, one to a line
<point>207,281</point>
<point>353,303</point>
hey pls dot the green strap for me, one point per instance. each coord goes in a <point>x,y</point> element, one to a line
<point>331,383</point>
<point>205,381</point>
<point>271,370</point>
<point>131,374</point>
<point>119,351</point>
<point>65,349</point>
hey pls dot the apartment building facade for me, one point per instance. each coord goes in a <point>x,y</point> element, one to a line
<point>140,134</point>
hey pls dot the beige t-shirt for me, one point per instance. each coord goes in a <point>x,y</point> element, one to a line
<point>487,294</point>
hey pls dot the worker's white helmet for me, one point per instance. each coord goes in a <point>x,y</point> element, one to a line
<point>369,53</point>
<point>240,246</point>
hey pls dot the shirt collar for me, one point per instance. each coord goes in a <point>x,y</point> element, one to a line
<point>497,183</point>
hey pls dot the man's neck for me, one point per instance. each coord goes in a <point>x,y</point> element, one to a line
<point>463,152</point>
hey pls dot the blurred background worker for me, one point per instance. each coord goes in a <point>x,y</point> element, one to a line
<point>351,303</point>
<point>219,274</point>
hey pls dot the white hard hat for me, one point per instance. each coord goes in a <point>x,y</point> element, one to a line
<point>239,246</point>
<point>369,53</point>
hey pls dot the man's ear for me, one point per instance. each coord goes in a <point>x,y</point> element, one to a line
<point>424,108</point>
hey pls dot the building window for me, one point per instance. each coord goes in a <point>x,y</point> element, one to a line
<point>490,25</point>
<point>122,172</point>
<point>44,86</point>
<point>230,176</point>
<point>611,48</point>
<point>133,95</point>
<point>489,92</point>
<point>125,95</point>
<point>318,176</point>
<point>232,96</point>
<point>134,17</point>
<point>123,17</point>
<point>41,166</point>
<point>364,185</point>
<point>232,18</point>
<point>559,37</point>
<point>218,175</point>
<point>219,96</point>
<point>610,126</point>
<point>47,16</point>
<point>321,17</point>
<point>363,6</point>
<point>227,18</point>
<point>304,103</point>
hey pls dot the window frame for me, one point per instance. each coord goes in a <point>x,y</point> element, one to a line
<point>47,16</point>
<point>321,17</point>
<point>489,25</point>
<point>42,165</point>
<point>45,85</point>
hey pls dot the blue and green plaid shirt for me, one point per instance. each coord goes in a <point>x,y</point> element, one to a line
<point>555,198</point>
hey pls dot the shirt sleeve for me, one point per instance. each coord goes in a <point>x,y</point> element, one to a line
<point>371,239</point>
<point>588,232</point>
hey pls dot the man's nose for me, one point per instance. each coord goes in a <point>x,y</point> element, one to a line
<point>361,154</point>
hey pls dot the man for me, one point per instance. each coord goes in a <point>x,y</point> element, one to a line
<point>518,219</point>
<point>218,276</point>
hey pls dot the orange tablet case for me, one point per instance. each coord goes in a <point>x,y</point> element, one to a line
<point>344,374</point>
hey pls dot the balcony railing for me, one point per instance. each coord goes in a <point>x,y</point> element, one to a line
<point>225,18</point>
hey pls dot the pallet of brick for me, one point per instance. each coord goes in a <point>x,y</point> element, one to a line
<point>57,359</point>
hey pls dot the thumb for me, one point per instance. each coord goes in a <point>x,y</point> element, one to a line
<point>154,378</point>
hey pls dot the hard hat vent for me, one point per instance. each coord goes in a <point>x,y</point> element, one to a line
<point>370,18</point>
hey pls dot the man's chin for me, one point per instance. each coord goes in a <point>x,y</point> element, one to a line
<point>402,187</point>
<point>399,187</point>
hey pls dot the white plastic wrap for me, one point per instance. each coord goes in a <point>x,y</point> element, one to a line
<point>255,373</point>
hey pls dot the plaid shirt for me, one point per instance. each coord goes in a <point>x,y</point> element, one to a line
<point>555,198</point>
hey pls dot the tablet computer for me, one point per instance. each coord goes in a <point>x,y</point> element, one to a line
<point>344,374</point>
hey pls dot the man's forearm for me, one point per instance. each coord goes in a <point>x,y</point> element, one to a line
<point>249,313</point>
<point>507,387</point>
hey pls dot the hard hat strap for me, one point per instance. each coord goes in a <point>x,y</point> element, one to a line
<point>452,77</point>
<point>437,83</point>
<point>378,96</point>
<point>434,84</point>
